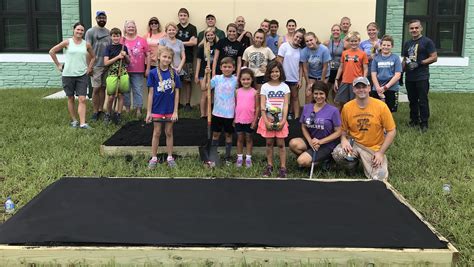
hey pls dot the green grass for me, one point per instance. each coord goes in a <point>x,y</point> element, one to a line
<point>37,147</point>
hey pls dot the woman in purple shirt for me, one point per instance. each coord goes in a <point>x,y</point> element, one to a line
<point>321,128</point>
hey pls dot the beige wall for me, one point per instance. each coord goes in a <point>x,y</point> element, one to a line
<point>314,15</point>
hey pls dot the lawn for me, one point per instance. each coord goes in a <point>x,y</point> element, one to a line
<point>37,147</point>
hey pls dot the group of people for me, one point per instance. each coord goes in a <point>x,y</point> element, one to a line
<point>255,80</point>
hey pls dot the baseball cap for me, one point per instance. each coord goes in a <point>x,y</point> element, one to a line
<point>363,80</point>
<point>153,19</point>
<point>100,13</point>
<point>210,16</point>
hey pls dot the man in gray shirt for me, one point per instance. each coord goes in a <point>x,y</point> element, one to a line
<point>98,36</point>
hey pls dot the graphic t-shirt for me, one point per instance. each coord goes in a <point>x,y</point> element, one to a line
<point>353,64</point>
<point>386,67</point>
<point>272,43</point>
<point>112,51</point>
<point>245,106</point>
<point>291,61</point>
<point>177,47</point>
<point>201,55</point>
<point>316,58</point>
<point>322,123</point>
<point>137,48</point>
<point>258,59</point>
<point>367,125</point>
<point>224,96</point>
<point>228,49</point>
<point>416,51</point>
<point>99,38</point>
<point>184,34</point>
<point>163,93</point>
<point>275,97</point>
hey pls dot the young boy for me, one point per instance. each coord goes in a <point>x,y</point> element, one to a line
<point>187,33</point>
<point>354,63</point>
<point>386,69</point>
<point>116,56</point>
<point>273,37</point>
<point>224,86</point>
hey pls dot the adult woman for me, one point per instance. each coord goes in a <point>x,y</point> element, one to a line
<point>371,46</point>
<point>153,37</point>
<point>75,72</point>
<point>335,46</point>
<point>315,58</point>
<point>321,128</point>
<point>289,56</point>
<point>211,39</point>
<point>291,29</point>
<point>139,58</point>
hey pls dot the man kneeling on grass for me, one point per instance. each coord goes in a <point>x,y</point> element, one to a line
<point>368,129</point>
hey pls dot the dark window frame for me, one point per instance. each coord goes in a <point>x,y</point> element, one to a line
<point>432,20</point>
<point>31,16</point>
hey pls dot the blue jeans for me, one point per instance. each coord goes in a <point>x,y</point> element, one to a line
<point>136,86</point>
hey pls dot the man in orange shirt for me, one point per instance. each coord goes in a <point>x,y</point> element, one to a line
<point>368,129</point>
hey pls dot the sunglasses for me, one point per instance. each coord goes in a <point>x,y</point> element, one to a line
<point>154,23</point>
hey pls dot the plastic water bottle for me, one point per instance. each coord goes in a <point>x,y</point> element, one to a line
<point>9,206</point>
<point>446,189</point>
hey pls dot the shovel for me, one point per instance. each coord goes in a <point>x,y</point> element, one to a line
<point>313,161</point>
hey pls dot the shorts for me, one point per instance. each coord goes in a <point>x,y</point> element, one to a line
<point>260,80</point>
<point>188,72</point>
<point>161,117</point>
<point>219,123</point>
<point>122,83</point>
<point>332,75</point>
<point>243,128</point>
<point>291,83</point>
<point>323,153</point>
<point>265,133</point>
<point>391,99</point>
<point>344,94</point>
<point>75,85</point>
<point>98,77</point>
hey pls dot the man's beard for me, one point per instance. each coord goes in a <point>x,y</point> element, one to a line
<point>101,23</point>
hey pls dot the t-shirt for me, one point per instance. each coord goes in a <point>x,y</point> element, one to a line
<point>138,49</point>
<point>112,51</point>
<point>177,47</point>
<point>353,64</point>
<point>258,59</point>
<point>228,49</point>
<point>219,33</point>
<point>245,105</point>
<point>291,61</point>
<point>163,93</point>
<point>153,42</point>
<point>386,67</point>
<point>224,96</point>
<point>418,50</point>
<point>367,125</point>
<point>201,55</point>
<point>99,38</point>
<point>368,48</point>
<point>322,123</point>
<point>184,34</point>
<point>275,97</point>
<point>272,43</point>
<point>246,42</point>
<point>335,50</point>
<point>316,58</point>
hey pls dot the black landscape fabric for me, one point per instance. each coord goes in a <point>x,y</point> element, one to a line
<point>217,212</point>
<point>186,132</point>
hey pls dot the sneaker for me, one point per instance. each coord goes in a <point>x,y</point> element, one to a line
<point>152,164</point>
<point>210,164</point>
<point>171,163</point>
<point>180,106</point>
<point>74,124</point>
<point>85,127</point>
<point>282,173</point>
<point>267,172</point>
<point>248,163</point>
<point>188,108</point>
<point>107,119</point>
<point>228,161</point>
<point>95,116</point>
<point>290,116</point>
<point>239,163</point>
<point>117,118</point>
<point>424,128</point>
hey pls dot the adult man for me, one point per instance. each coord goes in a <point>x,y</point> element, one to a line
<point>245,37</point>
<point>99,38</point>
<point>365,120</point>
<point>211,23</point>
<point>418,53</point>
<point>345,26</point>
<point>187,33</point>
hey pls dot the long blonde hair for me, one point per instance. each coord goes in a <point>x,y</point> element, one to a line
<point>161,50</point>
<point>204,39</point>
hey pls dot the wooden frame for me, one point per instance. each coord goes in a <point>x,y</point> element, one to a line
<point>146,150</point>
<point>25,255</point>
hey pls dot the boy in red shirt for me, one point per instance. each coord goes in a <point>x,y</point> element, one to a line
<point>354,63</point>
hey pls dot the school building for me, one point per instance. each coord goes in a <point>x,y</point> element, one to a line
<point>29,28</point>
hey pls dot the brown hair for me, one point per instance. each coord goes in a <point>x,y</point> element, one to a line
<point>373,24</point>
<point>249,72</point>
<point>275,64</point>
<point>320,86</point>
<point>387,38</point>
<point>314,35</point>
<point>183,10</point>
<point>115,31</point>
<point>228,60</point>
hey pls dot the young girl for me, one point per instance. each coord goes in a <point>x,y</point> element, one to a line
<point>246,113</point>
<point>291,29</point>
<point>228,47</point>
<point>163,97</point>
<point>210,40</point>
<point>179,56</point>
<point>274,98</point>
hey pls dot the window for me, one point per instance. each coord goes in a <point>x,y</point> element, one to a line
<point>29,25</point>
<point>442,21</point>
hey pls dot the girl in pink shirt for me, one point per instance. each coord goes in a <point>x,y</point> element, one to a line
<point>246,113</point>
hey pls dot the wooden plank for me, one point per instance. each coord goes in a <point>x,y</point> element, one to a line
<point>18,255</point>
<point>146,150</point>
